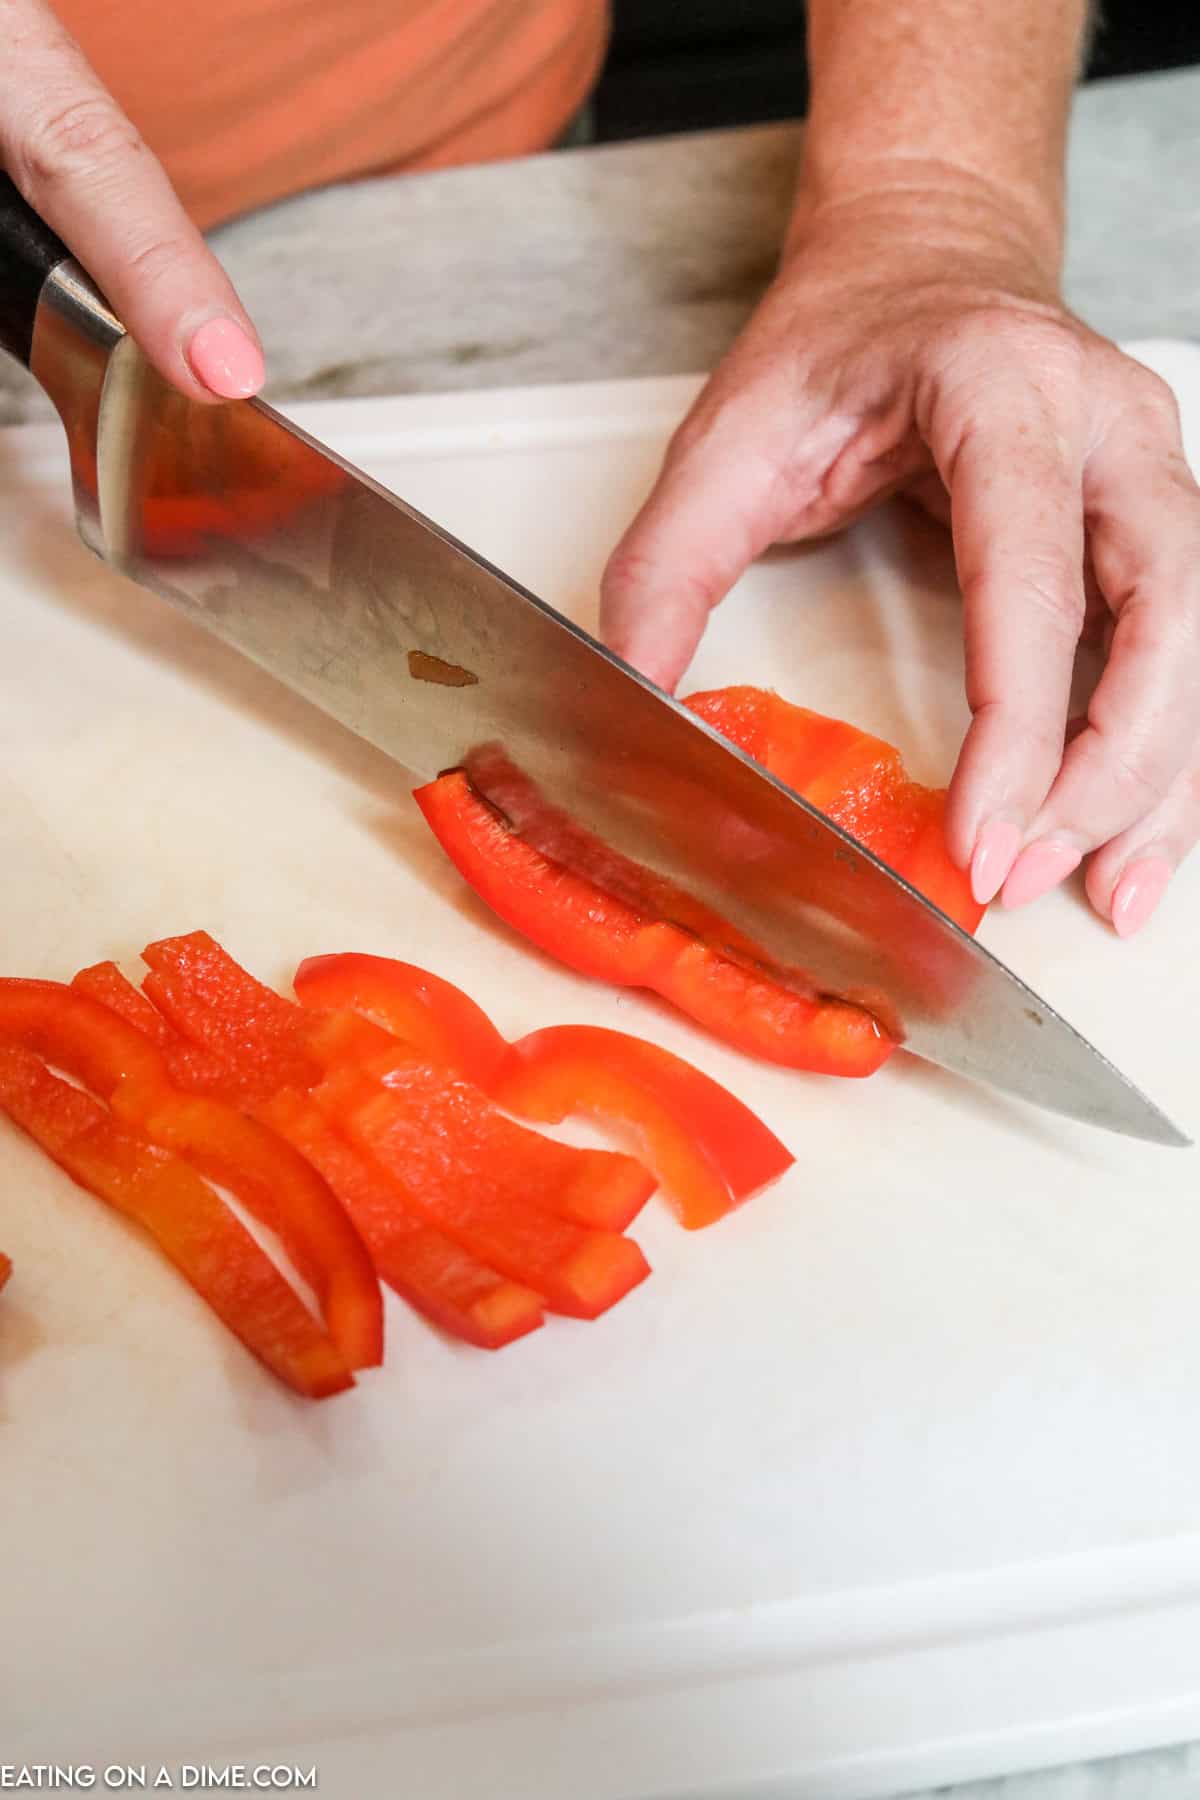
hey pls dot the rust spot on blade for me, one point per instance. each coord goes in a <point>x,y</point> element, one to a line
<point>423,667</point>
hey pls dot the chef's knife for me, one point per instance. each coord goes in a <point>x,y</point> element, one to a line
<point>351,598</point>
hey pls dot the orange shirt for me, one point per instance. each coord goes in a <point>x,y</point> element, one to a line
<point>245,101</point>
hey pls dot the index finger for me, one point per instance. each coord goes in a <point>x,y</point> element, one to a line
<point>80,163</point>
<point>1144,716</point>
<point>1014,476</point>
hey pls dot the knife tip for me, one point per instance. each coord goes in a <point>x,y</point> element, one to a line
<point>1155,1127</point>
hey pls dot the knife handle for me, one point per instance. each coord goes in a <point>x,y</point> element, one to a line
<point>28,252</point>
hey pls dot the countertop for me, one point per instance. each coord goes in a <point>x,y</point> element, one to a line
<point>645,258</point>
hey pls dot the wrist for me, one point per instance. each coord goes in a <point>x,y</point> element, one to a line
<point>932,213</point>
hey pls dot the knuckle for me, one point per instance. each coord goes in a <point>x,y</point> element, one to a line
<point>156,260</point>
<point>77,137</point>
<point>635,579</point>
<point>726,413</point>
<point>1154,398</point>
<point>1140,774</point>
<point>1040,744</point>
<point>1148,565</point>
<point>629,572</point>
<point>1157,631</point>
<point>1142,443</point>
<point>1140,770</point>
<point>689,434</point>
<point>1041,584</point>
<point>1002,337</point>
<point>1055,596</point>
<point>1160,621</point>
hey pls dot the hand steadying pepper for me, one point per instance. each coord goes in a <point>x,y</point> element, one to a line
<point>915,340</point>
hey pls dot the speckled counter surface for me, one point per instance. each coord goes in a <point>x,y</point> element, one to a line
<point>644,259</point>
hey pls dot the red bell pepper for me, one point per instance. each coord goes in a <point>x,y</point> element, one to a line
<point>5,1268</point>
<point>506,1195</point>
<point>279,1187</point>
<point>579,924</point>
<point>708,1151</point>
<point>120,1064</point>
<point>569,845</point>
<point>593,1187</point>
<point>429,1271</point>
<point>78,1035</point>
<point>189,1067</point>
<point>188,1221</point>
<point>432,1015</point>
<point>259,1037</point>
<point>450,1287</point>
<point>857,780</point>
<point>547,1183</point>
<point>706,1148</point>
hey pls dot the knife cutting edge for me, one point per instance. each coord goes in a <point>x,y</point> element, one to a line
<point>406,636</point>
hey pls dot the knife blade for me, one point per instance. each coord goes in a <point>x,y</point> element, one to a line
<point>353,599</point>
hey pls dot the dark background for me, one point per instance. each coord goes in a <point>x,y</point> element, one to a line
<point>691,65</point>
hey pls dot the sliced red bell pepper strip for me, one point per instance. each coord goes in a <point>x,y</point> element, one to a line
<point>432,1015</point>
<point>188,1221</point>
<point>580,925</point>
<point>116,1061</point>
<point>593,1187</point>
<point>450,1287</point>
<point>279,1187</point>
<point>5,1268</point>
<point>565,843</point>
<point>78,1035</point>
<point>189,1067</point>
<point>486,1182</point>
<point>858,780</point>
<point>426,1268</point>
<point>104,982</point>
<point>706,1148</point>
<point>215,1003</point>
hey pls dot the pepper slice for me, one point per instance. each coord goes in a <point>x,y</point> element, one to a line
<point>473,1174</point>
<point>580,925</point>
<point>78,1035</point>
<point>441,1281</point>
<point>116,1061</point>
<point>257,1035</point>
<point>411,1003</point>
<point>5,1268</point>
<point>279,1187</point>
<point>189,1067</point>
<point>593,1187</point>
<point>189,1222</point>
<point>708,1150</point>
<point>855,779</point>
<point>450,1287</point>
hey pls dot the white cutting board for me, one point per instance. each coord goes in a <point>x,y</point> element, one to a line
<point>891,1478</point>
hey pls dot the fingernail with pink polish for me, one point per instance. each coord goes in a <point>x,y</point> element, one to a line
<point>995,853</point>
<point>228,362</point>
<point>1039,869</point>
<point>1137,894</point>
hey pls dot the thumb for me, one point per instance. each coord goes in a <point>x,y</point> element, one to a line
<point>710,513</point>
